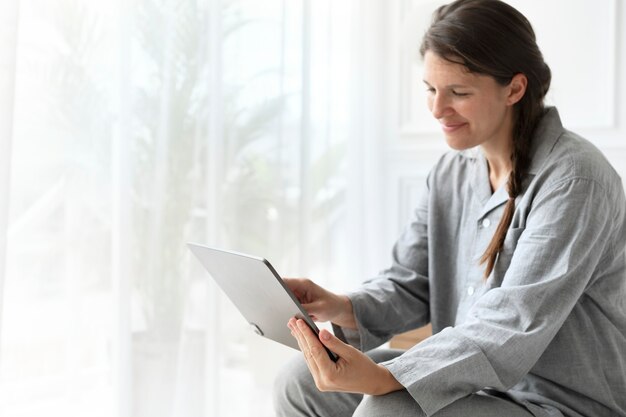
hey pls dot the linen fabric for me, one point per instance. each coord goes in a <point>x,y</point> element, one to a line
<point>548,326</point>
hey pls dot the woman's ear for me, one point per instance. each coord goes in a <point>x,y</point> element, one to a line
<point>517,88</point>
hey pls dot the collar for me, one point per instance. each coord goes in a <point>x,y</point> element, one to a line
<point>546,135</point>
<point>482,188</point>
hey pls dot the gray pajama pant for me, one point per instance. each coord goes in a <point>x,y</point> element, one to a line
<point>295,395</point>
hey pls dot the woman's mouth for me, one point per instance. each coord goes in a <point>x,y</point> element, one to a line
<point>452,127</point>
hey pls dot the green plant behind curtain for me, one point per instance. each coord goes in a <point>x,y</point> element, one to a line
<point>169,101</point>
<point>169,140</point>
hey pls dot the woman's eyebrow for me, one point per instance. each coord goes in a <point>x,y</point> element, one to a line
<point>452,86</point>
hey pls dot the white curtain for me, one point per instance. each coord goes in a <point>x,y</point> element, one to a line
<point>8,32</point>
<point>129,128</point>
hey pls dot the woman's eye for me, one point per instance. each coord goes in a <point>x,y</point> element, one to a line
<point>456,93</point>
<point>430,90</point>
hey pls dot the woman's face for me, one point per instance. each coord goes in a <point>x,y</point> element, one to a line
<point>473,109</point>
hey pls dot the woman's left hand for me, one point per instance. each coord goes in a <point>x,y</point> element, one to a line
<point>353,371</point>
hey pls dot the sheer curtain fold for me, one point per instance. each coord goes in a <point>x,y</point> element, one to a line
<point>121,190</point>
<point>8,50</point>
<point>213,168</point>
<point>140,126</point>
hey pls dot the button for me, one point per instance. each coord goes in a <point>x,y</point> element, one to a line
<point>486,223</point>
<point>470,290</point>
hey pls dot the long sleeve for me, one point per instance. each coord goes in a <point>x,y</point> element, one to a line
<point>573,232</point>
<point>398,299</point>
<point>548,326</point>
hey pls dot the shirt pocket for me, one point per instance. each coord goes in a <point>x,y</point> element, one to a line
<point>504,257</point>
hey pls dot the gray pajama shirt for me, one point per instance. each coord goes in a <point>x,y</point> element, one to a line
<point>548,326</point>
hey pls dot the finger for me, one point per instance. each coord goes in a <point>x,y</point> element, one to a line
<point>314,306</point>
<point>295,332</point>
<point>316,349</point>
<point>304,347</point>
<point>336,345</point>
<point>299,288</point>
<point>311,309</point>
<point>296,283</point>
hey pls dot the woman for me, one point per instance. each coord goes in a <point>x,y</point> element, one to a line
<point>516,255</point>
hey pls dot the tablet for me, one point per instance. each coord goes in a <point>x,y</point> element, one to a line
<point>258,292</point>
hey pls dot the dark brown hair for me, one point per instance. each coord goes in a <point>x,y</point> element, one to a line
<point>492,38</point>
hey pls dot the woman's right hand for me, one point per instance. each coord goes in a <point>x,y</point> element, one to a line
<point>321,304</point>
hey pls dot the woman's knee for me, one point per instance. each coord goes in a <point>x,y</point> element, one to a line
<point>293,385</point>
<point>295,394</point>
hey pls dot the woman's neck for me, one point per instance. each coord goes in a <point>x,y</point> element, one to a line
<point>499,163</point>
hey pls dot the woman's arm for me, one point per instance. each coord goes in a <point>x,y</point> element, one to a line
<point>398,299</point>
<point>573,230</point>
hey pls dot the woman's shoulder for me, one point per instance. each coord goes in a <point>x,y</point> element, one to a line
<point>560,155</point>
<point>576,158</point>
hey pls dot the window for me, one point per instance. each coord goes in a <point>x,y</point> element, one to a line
<point>140,126</point>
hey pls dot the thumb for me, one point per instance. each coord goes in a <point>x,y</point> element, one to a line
<point>333,343</point>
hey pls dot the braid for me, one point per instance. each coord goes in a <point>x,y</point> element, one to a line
<point>521,161</point>
<point>491,37</point>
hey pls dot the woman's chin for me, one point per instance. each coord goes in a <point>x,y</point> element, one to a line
<point>458,145</point>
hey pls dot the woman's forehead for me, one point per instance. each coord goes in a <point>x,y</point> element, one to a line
<point>442,71</point>
<point>438,68</point>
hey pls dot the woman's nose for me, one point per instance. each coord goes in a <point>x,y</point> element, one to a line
<point>439,106</point>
